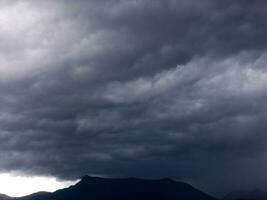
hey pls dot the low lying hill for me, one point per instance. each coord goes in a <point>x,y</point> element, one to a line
<point>93,188</point>
<point>5,197</point>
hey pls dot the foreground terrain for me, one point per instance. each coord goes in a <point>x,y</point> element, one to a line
<point>94,188</point>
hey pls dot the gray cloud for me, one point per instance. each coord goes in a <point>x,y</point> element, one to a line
<point>135,88</point>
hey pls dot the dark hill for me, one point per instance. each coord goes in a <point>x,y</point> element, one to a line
<point>37,195</point>
<point>5,197</point>
<point>94,188</point>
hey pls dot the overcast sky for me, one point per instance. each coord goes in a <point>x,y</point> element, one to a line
<point>144,88</point>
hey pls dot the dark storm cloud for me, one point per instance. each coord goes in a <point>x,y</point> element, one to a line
<point>135,88</point>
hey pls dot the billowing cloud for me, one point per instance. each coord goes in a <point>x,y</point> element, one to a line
<point>135,88</point>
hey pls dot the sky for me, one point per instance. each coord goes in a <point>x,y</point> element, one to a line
<point>135,88</point>
<point>17,185</point>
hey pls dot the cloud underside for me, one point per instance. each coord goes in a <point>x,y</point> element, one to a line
<point>135,88</point>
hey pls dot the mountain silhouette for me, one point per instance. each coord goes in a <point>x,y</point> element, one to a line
<point>94,188</point>
<point>4,197</point>
<point>37,195</point>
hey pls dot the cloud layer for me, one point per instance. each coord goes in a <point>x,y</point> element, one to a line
<point>135,88</point>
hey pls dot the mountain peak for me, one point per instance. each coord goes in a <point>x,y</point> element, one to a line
<point>134,188</point>
<point>167,180</point>
<point>87,177</point>
<point>97,188</point>
<point>93,178</point>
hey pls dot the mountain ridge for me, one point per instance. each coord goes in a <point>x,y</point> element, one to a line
<point>97,188</point>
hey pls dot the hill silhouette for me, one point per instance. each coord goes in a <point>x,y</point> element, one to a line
<point>94,188</point>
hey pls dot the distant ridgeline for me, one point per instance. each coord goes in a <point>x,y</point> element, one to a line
<point>94,188</point>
